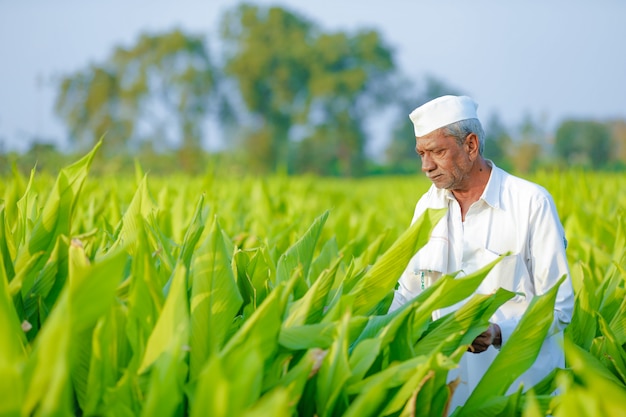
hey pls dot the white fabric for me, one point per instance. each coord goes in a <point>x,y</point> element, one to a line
<point>441,112</point>
<point>512,215</point>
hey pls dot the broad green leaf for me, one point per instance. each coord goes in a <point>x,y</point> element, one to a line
<point>261,330</point>
<point>369,256</point>
<point>444,293</point>
<point>49,282</point>
<point>141,206</point>
<point>7,245</point>
<point>611,352</point>
<point>229,385</point>
<point>255,273</point>
<point>310,308</point>
<point>144,300</point>
<point>13,351</point>
<point>215,298</point>
<point>27,212</point>
<point>518,354</point>
<point>193,233</point>
<point>532,407</point>
<point>276,403</point>
<point>334,372</point>
<point>327,256</point>
<point>593,391</point>
<point>163,248</point>
<point>47,372</point>
<point>301,253</point>
<point>92,291</point>
<point>167,379</point>
<point>362,357</point>
<point>383,276</point>
<point>308,336</point>
<point>462,326</point>
<point>618,323</point>
<point>172,327</point>
<point>111,353</point>
<point>414,384</point>
<point>583,326</point>
<point>56,214</point>
<point>318,334</point>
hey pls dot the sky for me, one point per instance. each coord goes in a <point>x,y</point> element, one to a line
<point>551,60</point>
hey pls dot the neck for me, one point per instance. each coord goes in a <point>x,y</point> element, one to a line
<point>478,178</point>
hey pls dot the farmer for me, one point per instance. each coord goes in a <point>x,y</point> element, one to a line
<point>490,213</point>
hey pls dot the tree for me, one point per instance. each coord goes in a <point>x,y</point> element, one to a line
<point>268,52</point>
<point>350,80</point>
<point>582,142</point>
<point>299,83</point>
<point>137,91</point>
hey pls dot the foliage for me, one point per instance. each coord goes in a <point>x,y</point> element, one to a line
<point>300,83</point>
<point>585,143</point>
<point>140,93</point>
<point>268,296</point>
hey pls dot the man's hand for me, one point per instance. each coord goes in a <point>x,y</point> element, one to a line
<point>491,336</point>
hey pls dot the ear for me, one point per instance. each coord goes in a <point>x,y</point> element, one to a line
<point>472,146</point>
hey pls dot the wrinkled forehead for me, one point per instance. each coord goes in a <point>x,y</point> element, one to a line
<point>433,140</point>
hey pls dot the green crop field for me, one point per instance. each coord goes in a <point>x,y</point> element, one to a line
<point>210,296</point>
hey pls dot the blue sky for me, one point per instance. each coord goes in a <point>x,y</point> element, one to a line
<point>550,59</point>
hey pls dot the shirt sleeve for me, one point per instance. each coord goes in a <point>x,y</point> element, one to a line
<point>547,264</point>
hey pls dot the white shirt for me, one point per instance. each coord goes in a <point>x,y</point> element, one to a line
<point>512,215</point>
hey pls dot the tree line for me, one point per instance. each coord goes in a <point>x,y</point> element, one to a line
<point>287,97</point>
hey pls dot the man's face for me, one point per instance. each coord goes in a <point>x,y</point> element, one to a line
<point>444,161</point>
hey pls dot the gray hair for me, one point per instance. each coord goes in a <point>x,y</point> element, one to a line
<point>462,128</point>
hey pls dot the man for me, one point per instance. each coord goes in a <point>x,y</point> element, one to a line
<point>490,213</point>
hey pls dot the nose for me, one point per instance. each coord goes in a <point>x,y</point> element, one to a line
<point>427,163</point>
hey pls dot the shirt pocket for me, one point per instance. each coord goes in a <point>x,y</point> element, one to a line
<point>509,273</point>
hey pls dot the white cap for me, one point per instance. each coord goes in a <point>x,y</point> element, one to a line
<point>441,112</point>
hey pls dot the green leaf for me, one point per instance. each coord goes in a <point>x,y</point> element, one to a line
<point>13,351</point>
<point>111,353</point>
<point>611,352</point>
<point>193,233</point>
<point>276,403</point>
<point>167,379</point>
<point>172,328</point>
<point>57,211</point>
<point>518,354</point>
<point>215,298</point>
<point>92,292</point>
<point>229,385</point>
<point>301,253</point>
<point>310,308</point>
<point>592,391</point>
<point>141,206</point>
<point>334,372</point>
<point>383,276</point>
<point>308,336</point>
<point>583,326</point>
<point>463,325</point>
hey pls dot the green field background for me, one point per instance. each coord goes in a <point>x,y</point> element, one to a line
<point>106,280</point>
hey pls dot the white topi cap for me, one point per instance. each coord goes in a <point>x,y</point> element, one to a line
<point>441,112</point>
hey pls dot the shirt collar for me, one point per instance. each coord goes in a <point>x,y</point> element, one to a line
<point>491,194</point>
